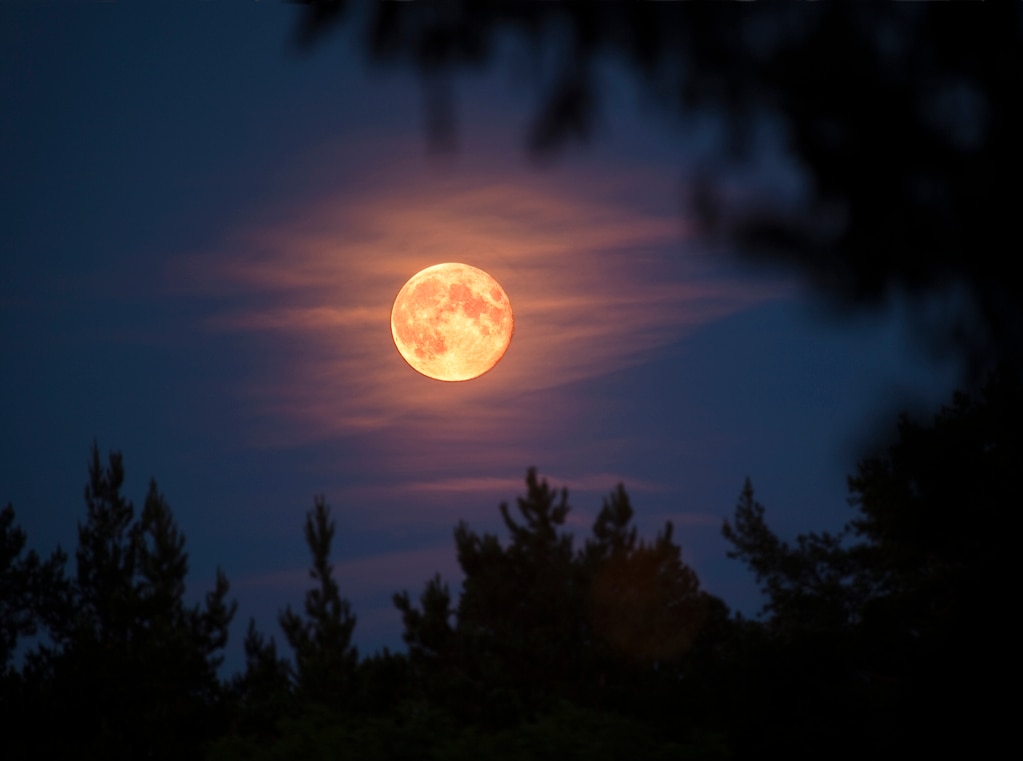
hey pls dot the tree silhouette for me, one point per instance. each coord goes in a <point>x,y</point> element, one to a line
<point>28,588</point>
<point>540,624</point>
<point>128,666</point>
<point>804,661</point>
<point>432,640</point>
<point>900,122</point>
<point>428,629</point>
<point>644,603</point>
<point>886,635</point>
<point>33,596</point>
<point>929,514</point>
<point>904,610</point>
<point>814,585</point>
<point>325,659</point>
<point>262,695</point>
<point>106,592</point>
<point>517,602</point>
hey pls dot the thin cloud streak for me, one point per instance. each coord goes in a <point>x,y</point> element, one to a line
<point>584,265</point>
<point>599,482</point>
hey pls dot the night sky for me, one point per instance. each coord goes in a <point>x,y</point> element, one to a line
<point>202,232</point>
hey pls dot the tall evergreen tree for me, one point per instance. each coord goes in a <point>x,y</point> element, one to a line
<point>429,629</point>
<point>893,627</point>
<point>133,669</point>
<point>106,593</point>
<point>519,614</point>
<point>815,585</point>
<point>325,659</point>
<point>262,693</point>
<point>644,603</point>
<point>33,594</point>
<point>30,588</point>
<point>539,622</point>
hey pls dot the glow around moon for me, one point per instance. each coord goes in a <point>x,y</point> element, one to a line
<point>452,322</point>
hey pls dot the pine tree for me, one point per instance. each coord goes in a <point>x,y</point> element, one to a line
<point>539,622</point>
<point>325,659</point>
<point>31,590</point>
<point>520,614</point>
<point>816,585</point>
<point>262,693</point>
<point>106,594</point>
<point>133,670</point>
<point>893,626</point>
<point>429,631</point>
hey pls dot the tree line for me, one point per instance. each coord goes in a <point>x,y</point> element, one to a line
<point>892,634</point>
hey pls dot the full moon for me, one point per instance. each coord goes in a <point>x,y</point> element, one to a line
<point>452,322</point>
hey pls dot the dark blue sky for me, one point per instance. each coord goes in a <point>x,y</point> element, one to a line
<point>201,234</point>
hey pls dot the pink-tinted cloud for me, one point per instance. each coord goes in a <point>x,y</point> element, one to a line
<point>598,282</point>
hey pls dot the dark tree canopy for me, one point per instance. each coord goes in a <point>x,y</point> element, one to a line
<point>884,637</point>
<point>540,621</point>
<point>126,665</point>
<point>905,610</point>
<point>644,603</point>
<point>528,660</point>
<point>30,588</point>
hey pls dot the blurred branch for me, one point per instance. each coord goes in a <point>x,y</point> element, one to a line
<point>903,119</point>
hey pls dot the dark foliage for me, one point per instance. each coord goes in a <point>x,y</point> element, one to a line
<point>30,588</point>
<point>325,659</point>
<point>612,627</point>
<point>130,669</point>
<point>890,636</point>
<point>897,628</point>
<point>262,695</point>
<point>530,660</point>
<point>902,117</point>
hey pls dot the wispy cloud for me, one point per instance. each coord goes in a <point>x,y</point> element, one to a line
<point>598,282</point>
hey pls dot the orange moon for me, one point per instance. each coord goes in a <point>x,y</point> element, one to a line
<point>452,322</point>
